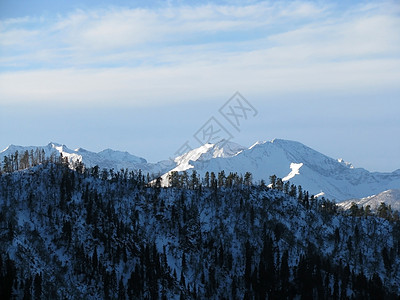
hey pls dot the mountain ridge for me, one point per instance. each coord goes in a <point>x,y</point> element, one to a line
<point>290,160</point>
<point>107,158</point>
<point>315,171</point>
<point>390,198</point>
<point>67,233</point>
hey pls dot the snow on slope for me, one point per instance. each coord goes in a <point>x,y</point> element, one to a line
<point>293,161</point>
<point>290,160</point>
<point>295,171</point>
<point>389,197</point>
<point>105,159</point>
<point>206,152</point>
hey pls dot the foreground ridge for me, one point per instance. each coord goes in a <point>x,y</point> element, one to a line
<point>89,234</point>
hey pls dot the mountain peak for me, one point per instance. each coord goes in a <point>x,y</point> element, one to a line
<point>289,160</point>
<point>53,144</point>
<point>227,149</point>
<point>275,140</point>
<point>121,155</point>
<point>258,143</point>
<point>279,143</point>
<point>288,143</point>
<point>61,148</point>
<point>105,159</point>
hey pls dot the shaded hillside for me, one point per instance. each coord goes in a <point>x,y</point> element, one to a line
<point>90,234</point>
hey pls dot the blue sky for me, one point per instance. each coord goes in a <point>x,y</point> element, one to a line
<point>145,77</point>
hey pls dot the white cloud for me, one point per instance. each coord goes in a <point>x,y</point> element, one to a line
<point>148,56</point>
<point>120,27</point>
<point>195,81</point>
<point>17,37</point>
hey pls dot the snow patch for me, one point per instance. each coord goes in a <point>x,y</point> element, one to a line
<point>295,171</point>
<point>347,164</point>
<point>257,143</point>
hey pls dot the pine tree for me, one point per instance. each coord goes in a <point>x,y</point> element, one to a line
<point>248,178</point>
<point>207,179</point>
<point>299,193</point>
<point>279,184</point>
<point>272,180</point>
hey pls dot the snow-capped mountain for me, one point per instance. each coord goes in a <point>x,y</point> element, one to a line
<point>77,235</point>
<point>108,158</point>
<point>206,152</point>
<point>389,197</point>
<point>290,160</point>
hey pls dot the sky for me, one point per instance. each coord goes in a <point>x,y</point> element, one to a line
<point>146,76</point>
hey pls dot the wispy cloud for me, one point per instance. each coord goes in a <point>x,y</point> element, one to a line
<point>166,54</point>
<point>118,30</point>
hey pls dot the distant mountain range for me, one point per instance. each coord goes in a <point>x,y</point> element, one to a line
<point>108,159</point>
<point>289,160</point>
<point>389,197</point>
